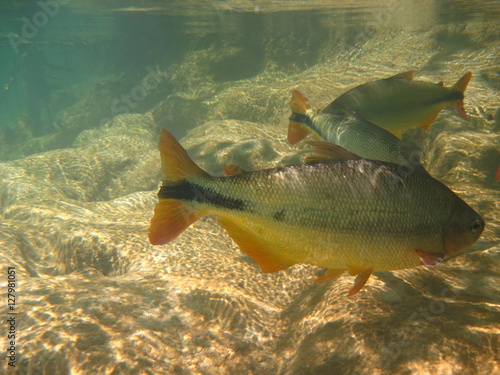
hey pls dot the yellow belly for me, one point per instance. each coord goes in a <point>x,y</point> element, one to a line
<point>276,245</point>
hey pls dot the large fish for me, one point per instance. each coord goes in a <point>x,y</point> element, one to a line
<point>348,131</point>
<point>398,102</point>
<point>351,214</point>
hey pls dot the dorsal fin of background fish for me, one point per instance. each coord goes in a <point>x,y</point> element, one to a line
<point>325,152</point>
<point>404,75</point>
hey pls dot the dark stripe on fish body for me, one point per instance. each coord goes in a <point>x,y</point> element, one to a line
<point>189,191</point>
<point>449,97</point>
<point>300,118</point>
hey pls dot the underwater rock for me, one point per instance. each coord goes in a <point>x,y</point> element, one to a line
<point>251,146</point>
<point>103,295</point>
<point>103,164</point>
<point>97,297</point>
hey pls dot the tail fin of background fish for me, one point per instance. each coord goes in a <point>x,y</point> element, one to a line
<point>461,85</point>
<point>171,215</point>
<point>301,108</point>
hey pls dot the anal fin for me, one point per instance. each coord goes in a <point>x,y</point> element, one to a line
<point>268,259</point>
<point>427,123</point>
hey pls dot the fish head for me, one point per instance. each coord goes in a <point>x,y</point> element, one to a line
<point>463,230</point>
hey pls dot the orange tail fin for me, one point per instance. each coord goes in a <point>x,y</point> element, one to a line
<point>176,164</point>
<point>297,132</point>
<point>170,219</point>
<point>461,85</point>
<point>172,216</point>
<point>299,103</point>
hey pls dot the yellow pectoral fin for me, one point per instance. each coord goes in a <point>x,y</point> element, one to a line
<point>268,259</point>
<point>330,273</point>
<point>363,274</point>
<point>317,137</point>
<point>233,170</point>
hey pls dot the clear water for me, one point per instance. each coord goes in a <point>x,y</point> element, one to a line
<point>85,87</point>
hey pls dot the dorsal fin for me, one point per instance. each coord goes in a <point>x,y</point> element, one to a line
<point>324,151</point>
<point>440,83</point>
<point>404,75</point>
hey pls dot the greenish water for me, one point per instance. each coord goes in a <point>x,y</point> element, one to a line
<point>86,86</point>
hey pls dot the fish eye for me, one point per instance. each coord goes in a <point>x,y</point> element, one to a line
<point>475,226</point>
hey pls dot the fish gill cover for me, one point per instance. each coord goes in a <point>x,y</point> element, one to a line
<point>95,296</point>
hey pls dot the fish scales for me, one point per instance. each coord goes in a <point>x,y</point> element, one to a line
<point>350,132</point>
<point>353,214</point>
<point>364,139</point>
<point>347,209</point>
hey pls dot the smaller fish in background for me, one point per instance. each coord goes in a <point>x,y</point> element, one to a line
<point>399,102</point>
<point>350,132</point>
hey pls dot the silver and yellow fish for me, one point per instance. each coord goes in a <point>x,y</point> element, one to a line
<point>348,131</point>
<point>399,102</point>
<point>350,214</point>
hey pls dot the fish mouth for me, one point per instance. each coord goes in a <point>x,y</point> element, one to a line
<point>429,259</point>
